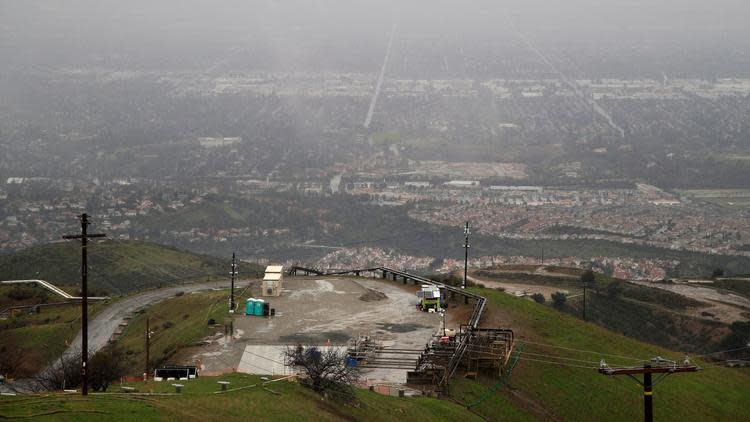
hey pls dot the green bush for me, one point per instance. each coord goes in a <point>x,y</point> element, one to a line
<point>559,299</point>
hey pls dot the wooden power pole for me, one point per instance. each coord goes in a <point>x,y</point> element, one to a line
<point>148,347</point>
<point>467,232</point>
<point>663,367</point>
<point>84,236</point>
<point>584,301</point>
<point>232,274</point>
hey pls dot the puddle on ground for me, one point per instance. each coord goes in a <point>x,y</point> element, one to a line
<point>401,328</point>
<point>337,337</point>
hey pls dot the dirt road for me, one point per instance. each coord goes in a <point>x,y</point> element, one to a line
<point>106,322</point>
<point>520,289</point>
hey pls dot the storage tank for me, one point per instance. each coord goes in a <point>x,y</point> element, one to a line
<point>250,307</point>
<point>259,307</point>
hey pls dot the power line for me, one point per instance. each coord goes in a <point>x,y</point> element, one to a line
<point>159,269</point>
<point>586,351</point>
<point>172,277</point>
<point>558,363</point>
<point>467,232</point>
<point>561,358</point>
<point>722,351</point>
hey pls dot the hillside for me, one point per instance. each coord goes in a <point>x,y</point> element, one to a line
<point>556,378</point>
<point>280,401</point>
<point>675,321</point>
<point>273,225</point>
<point>115,267</point>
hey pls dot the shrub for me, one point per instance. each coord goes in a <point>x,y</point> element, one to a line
<point>19,293</point>
<point>559,299</point>
<point>538,297</point>
<point>588,277</point>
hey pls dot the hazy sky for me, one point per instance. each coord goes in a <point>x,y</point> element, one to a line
<point>61,31</point>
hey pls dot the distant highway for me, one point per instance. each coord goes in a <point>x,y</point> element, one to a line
<point>379,83</point>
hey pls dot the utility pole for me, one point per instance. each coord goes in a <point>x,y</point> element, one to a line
<point>542,257</point>
<point>232,274</point>
<point>467,232</point>
<point>662,366</point>
<point>84,236</point>
<point>584,301</point>
<point>148,347</point>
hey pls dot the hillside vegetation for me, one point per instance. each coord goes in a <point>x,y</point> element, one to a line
<point>645,313</point>
<point>557,377</point>
<point>30,341</point>
<point>175,323</point>
<point>115,267</point>
<point>280,401</point>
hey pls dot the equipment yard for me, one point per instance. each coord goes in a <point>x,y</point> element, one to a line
<point>324,311</point>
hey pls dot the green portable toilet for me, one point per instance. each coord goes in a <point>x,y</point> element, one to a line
<point>250,307</point>
<point>258,307</point>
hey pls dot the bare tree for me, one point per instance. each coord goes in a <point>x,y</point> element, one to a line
<point>62,373</point>
<point>328,371</point>
<point>11,357</point>
<point>106,366</point>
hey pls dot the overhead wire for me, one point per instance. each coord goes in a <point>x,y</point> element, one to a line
<point>586,351</point>
<point>721,351</point>
<point>157,268</point>
<point>557,363</point>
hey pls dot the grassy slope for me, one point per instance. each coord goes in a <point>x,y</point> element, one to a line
<point>115,267</point>
<point>290,403</point>
<point>574,393</point>
<point>175,323</point>
<point>633,308</point>
<point>129,266</point>
<point>539,390</point>
<point>44,336</point>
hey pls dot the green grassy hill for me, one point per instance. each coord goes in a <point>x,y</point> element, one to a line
<point>556,379</point>
<point>115,267</point>
<point>39,337</point>
<point>176,323</point>
<point>627,308</point>
<point>279,401</point>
